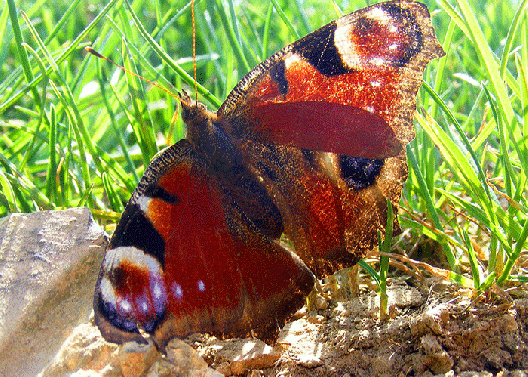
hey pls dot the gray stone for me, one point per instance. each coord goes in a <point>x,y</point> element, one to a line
<point>49,263</point>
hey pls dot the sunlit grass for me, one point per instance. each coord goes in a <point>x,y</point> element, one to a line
<point>77,131</point>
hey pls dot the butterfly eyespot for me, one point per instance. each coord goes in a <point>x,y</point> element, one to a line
<point>143,306</point>
<point>158,290</point>
<point>124,307</point>
<point>364,25</point>
<point>277,73</point>
<point>116,278</point>
<point>177,291</point>
<point>358,172</point>
<point>377,61</point>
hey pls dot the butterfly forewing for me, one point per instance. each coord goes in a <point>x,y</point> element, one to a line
<point>336,102</point>
<point>196,263</point>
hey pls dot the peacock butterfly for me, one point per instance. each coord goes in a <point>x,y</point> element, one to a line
<point>309,145</point>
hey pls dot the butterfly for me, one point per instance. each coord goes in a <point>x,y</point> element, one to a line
<point>307,147</point>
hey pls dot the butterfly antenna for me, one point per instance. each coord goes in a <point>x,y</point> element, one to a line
<point>194,50</point>
<point>95,53</point>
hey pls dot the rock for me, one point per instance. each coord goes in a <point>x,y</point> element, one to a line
<point>316,319</point>
<point>321,303</point>
<point>180,352</point>
<point>86,353</point>
<point>297,332</point>
<point>403,296</point>
<point>238,356</point>
<point>430,344</point>
<point>476,374</point>
<point>431,321</point>
<point>85,373</point>
<point>134,359</point>
<point>254,354</point>
<point>49,263</point>
<point>84,349</point>
<point>496,357</point>
<point>439,362</point>
<point>184,360</point>
<point>309,360</point>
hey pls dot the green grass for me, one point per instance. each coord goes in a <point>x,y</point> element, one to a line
<point>77,131</point>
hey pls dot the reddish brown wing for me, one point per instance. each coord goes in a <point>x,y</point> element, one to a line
<point>347,88</point>
<point>184,259</point>
<point>339,104</point>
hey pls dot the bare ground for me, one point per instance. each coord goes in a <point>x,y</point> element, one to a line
<point>434,328</point>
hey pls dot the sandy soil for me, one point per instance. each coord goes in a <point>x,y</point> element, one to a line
<point>433,328</point>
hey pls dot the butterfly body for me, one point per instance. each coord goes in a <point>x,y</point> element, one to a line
<point>309,144</point>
